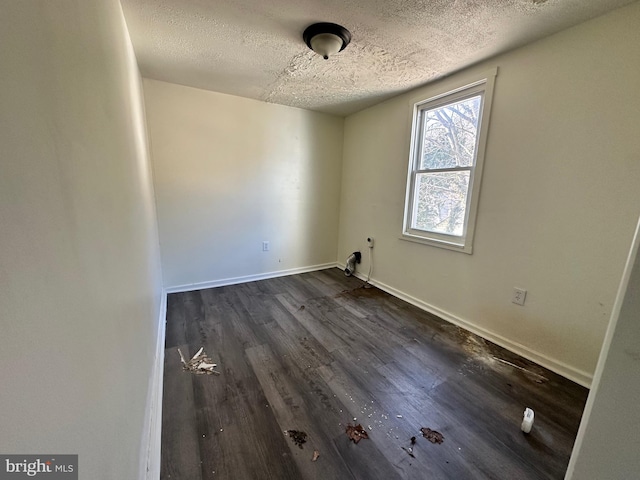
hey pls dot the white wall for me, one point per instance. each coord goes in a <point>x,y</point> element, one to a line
<point>231,173</point>
<point>558,204</point>
<point>608,441</point>
<point>80,283</point>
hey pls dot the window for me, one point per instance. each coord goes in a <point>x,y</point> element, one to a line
<point>445,167</point>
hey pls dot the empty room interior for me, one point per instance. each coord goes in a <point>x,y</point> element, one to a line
<point>321,240</point>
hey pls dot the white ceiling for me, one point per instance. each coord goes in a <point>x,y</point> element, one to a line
<point>254,48</point>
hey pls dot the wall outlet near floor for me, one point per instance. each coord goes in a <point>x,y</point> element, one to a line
<point>519,296</point>
<point>370,242</point>
<point>265,246</point>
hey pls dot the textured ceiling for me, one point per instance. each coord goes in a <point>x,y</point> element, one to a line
<point>254,48</point>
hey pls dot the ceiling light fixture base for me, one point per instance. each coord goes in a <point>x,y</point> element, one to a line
<point>326,38</point>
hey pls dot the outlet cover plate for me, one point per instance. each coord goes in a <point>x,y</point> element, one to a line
<point>519,296</point>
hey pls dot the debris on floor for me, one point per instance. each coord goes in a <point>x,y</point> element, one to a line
<point>409,450</point>
<point>316,454</point>
<point>298,437</point>
<point>356,433</point>
<point>432,435</point>
<point>413,440</point>
<point>200,363</point>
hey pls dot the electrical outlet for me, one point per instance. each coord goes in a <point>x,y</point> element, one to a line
<point>519,296</point>
<point>370,242</point>
<point>265,246</point>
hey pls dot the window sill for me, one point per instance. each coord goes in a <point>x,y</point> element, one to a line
<point>449,245</point>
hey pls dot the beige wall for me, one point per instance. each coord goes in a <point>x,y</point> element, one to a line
<point>558,204</point>
<point>608,441</point>
<point>80,282</point>
<point>231,173</point>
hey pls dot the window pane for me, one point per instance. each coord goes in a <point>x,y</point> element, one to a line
<point>441,202</point>
<point>449,135</point>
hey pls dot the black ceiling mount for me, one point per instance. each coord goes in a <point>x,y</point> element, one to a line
<point>326,27</point>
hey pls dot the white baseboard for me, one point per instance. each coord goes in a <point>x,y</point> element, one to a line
<point>580,377</point>
<point>150,461</point>
<point>248,278</point>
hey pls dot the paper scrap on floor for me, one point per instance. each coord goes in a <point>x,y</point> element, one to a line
<point>200,363</point>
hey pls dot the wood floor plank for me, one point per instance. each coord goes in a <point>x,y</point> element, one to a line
<point>297,332</point>
<point>290,409</point>
<point>180,450</point>
<point>364,408</point>
<point>240,436</point>
<point>192,326</point>
<point>313,322</point>
<point>365,460</point>
<point>174,334</point>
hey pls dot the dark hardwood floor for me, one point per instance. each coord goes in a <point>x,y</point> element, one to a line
<point>317,351</point>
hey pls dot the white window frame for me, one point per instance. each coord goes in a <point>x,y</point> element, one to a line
<point>484,86</point>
